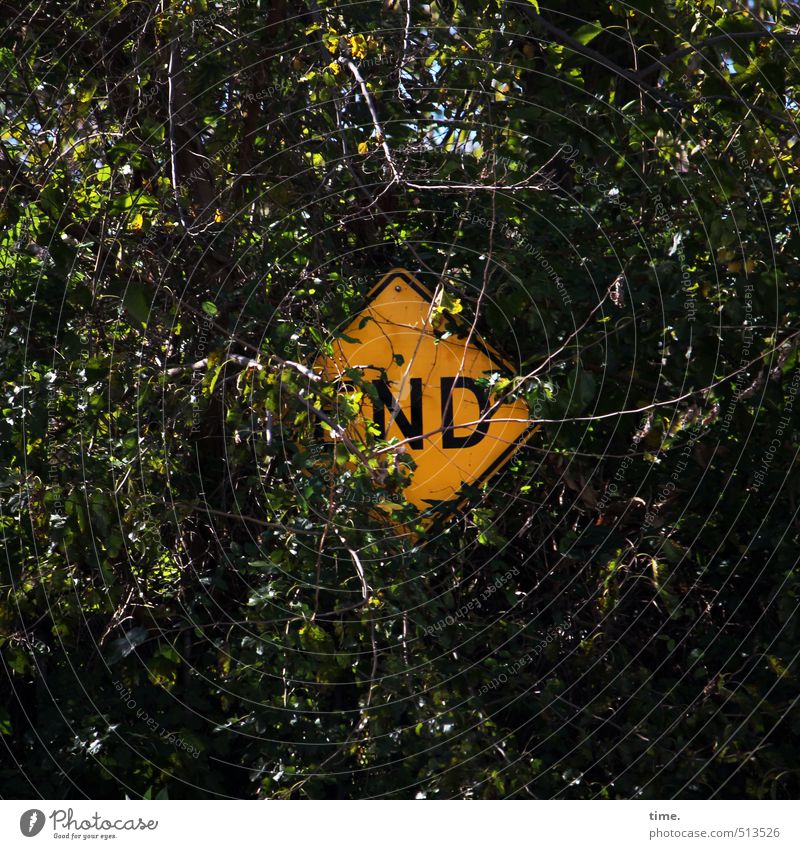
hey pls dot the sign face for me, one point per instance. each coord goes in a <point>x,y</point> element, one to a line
<point>430,391</point>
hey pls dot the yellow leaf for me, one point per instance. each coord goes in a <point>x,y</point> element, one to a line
<point>363,147</point>
<point>219,216</point>
<point>445,303</point>
<point>331,40</point>
<point>358,46</point>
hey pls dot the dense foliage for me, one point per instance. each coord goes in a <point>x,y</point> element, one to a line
<point>198,598</point>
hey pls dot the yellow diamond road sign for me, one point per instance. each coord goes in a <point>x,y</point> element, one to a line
<point>429,390</point>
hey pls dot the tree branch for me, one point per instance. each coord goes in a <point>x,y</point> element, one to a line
<point>375,121</point>
<point>667,60</point>
<point>567,40</point>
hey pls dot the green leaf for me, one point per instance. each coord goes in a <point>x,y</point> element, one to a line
<point>217,372</point>
<point>5,721</point>
<point>130,200</point>
<point>587,32</point>
<point>581,388</point>
<point>137,303</point>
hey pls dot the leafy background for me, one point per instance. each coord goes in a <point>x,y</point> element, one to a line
<point>195,197</point>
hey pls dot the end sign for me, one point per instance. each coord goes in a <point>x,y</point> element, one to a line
<point>427,391</point>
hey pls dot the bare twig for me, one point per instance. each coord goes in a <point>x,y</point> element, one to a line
<point>637,410</point>
<point>337,430</point>
<point>278,526</point>
<point>298,367</point>
<point>406,34</point>
<point>171,123</point>
<point>566,39</point>
<point>244,362</point>
<point>666,61</point>
<point>375,121</point>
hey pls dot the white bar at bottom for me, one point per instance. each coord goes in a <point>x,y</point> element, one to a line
<point>406,824</point>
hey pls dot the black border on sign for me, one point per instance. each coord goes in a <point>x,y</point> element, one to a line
<point>427,295</point>
<point>477,340</point>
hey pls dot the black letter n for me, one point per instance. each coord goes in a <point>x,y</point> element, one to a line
<point>409,429</point>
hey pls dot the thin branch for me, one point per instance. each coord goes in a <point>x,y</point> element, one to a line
<point>487,268</point>
<point>569,338</point>
<point>171,123</point>
<point>783,120</point>
<point>666,61</point>
<point>477,187</point>
<point>637,410</point>
<point>365,592</point>
<point>337,430</point>
<point>406,33</point>
<point>375,121</point>
<point>566,39</point>
<point>298,367</point>
<point>242,518</point>
<point>487,273</point>
<point>244,362</point>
